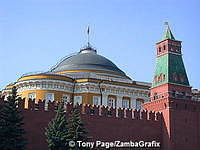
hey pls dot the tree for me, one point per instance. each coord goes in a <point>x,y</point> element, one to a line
<point>76,130</point>
<point>56,131</point>
<point>11,131</point>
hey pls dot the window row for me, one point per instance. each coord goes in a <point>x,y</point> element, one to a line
<point>159,78</point>
<point>178,77</point>
<point>48,96</point>
<point>173,49</point>
<point>161,48</point>
<point>125,103</point>
<point>47,86</point>
<point>111,101</point>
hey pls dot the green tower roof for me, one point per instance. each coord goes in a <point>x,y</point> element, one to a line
<point>168,34</point>
<point>170,69</point>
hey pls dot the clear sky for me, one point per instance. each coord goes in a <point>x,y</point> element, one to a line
<point>36,34</point>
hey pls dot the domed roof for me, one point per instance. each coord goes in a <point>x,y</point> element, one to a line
<point>87,59</point>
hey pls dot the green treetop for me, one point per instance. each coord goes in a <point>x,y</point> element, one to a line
<point>11,130</point>
<point>76,130</point>
<point>56,131</point>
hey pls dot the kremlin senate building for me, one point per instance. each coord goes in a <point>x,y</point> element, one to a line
<point>114,106</point>
<point>86,77</point>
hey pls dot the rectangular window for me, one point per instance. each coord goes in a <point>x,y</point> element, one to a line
<point>37,85</point>
<point>111,102</point>
<point>49,97</point>
<point>50,86</point>
<point>65,98</point>
<point>139,104</point>
<point>32,95</point>
<point>125,103</point>
<point>44,85</point>
<point>78,99</point>
<point>96,100</point>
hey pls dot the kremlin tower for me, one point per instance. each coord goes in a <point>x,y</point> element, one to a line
<point>171,94</point>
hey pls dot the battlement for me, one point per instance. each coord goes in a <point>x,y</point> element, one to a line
<point>102,123</point>
<point>92,110</point>
<point>175,104</point>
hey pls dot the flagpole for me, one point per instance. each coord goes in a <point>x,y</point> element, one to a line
<point>88,33</point>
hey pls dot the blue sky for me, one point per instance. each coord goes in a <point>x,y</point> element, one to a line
<point>36,34</point>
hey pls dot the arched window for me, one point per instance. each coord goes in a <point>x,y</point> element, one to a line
<point>155,96</point>
<point>111,101</point>
<point>139,103</point>
<point>159,78</point>
<point>96,100</point>
<point>159,49</point>
<point>163,77</point>
<point>164,47</point>
<point>125,103</point>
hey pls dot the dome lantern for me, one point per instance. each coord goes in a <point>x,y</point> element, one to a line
<point>88,49</point>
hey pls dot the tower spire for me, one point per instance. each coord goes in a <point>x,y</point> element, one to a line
<point>168,33</point>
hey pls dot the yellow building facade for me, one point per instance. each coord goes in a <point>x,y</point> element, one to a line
<point>85,77</point>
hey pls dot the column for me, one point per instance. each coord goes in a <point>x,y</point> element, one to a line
<point>119,101</point>
<point>133,102</point>
<point>104,99</point>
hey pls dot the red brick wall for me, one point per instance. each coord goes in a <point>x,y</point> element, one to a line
<point>185,125</point>
<point>181,122</point>
<point>100,128</point>
<point>129,125</point>
<point>177,128</point>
